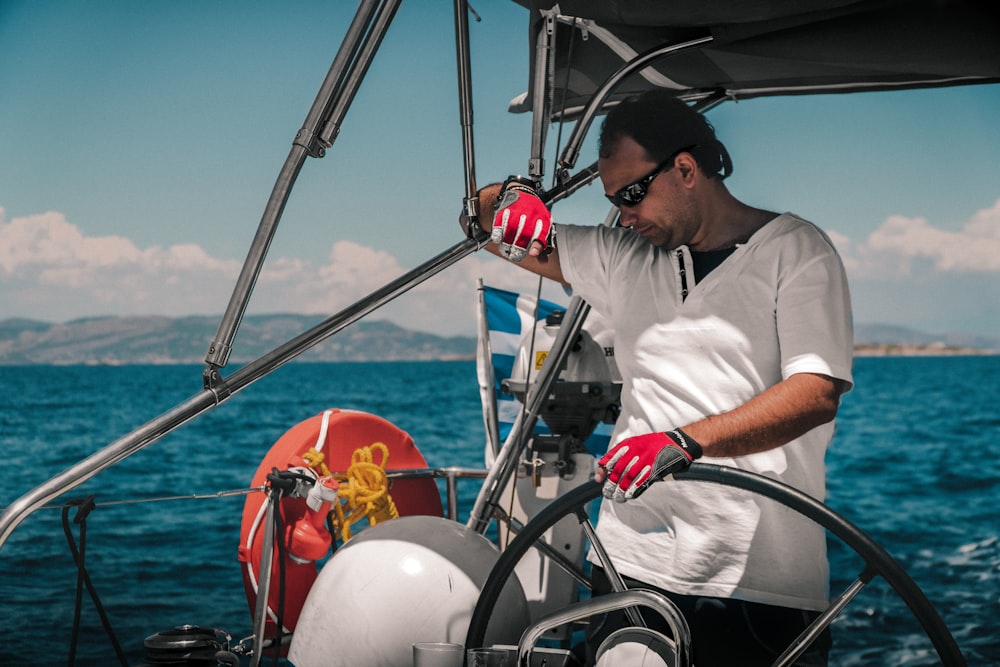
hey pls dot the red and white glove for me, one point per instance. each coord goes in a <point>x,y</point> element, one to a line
<point>521,219</point>
<point>635,463</point>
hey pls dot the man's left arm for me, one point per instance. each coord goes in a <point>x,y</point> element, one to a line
<point>814,329</point>
<point>774,417</point>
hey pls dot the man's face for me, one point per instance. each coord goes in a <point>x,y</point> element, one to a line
<point>666,215</point>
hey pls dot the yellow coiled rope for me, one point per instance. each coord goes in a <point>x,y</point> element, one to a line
<point>363,491</point>
<point>315,459</point>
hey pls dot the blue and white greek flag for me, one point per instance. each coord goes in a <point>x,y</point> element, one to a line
<point>506,318</point>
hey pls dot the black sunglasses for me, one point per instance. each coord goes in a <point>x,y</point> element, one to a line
<point>633,193</point>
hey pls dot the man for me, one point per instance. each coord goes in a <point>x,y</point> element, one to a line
<point>733,336</point>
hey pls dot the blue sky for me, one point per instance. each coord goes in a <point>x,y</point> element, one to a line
<point>139,143</point>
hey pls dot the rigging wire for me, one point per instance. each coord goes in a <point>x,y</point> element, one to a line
<point>139,501</point>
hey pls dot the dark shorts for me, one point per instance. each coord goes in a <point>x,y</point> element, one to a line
<point>724,631</point>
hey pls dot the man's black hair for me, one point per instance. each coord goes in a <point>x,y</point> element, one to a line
<point>663,125</point>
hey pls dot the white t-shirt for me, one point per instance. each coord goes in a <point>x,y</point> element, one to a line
<point>777,306</point>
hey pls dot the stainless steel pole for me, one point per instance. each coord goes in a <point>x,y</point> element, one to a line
<point>315,136</point>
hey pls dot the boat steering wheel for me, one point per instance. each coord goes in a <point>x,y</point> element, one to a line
<point>877,561</point>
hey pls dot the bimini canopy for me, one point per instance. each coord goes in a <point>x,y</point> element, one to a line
<point>766,47</point>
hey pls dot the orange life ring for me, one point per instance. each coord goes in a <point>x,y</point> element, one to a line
<point>346,431</point>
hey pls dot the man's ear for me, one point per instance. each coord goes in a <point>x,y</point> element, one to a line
<point>686,166</point>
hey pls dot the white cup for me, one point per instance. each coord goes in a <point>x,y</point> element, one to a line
<point>438,654</point>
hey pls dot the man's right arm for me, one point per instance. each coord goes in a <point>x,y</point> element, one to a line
<point>545,264</point>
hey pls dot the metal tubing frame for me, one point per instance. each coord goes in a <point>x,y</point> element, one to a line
<point>506,461</point>
<point>217,390</point>
<point>626,599</point>
<point>339,103</point>
<point>614,577</point>
<point>340,84</point>
<point>264,580</point>
<point>544,45</point>
<point>572,152</point>
<point>823,621</point>
<point>470,203</point>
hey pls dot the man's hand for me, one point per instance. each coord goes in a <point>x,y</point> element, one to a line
<point>521,220</point>
<point>635,463</point>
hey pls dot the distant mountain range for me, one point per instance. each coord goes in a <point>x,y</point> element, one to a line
<point>892,339</point>
<point>184,340</point>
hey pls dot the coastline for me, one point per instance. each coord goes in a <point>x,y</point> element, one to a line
<point>910,350</point>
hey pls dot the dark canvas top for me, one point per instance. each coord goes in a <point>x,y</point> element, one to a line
<point>770,47</point>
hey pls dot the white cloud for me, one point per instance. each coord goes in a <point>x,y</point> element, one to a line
<point>912,273</point>
<point>47,241</point>
<point>51,270</point>
<point>902,245</point>
<point>443,304</point>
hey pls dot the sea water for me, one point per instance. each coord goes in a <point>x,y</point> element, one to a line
<point>915,464</point>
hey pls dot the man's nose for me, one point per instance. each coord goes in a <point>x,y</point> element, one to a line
<point>627,216</point>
